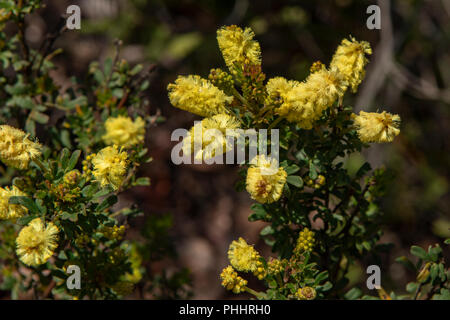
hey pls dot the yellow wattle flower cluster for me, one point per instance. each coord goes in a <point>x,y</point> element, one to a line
<point>304,102</point>
<point>265,180</point>
<point>208,138</point>
<point>124,132</point>
<point>238,47</point>
<point>306,293</point>
<point>16,150</point>
<point>36,242</point>
<point>305,241</point>
<point>242,256</point>
<point>231,280</point>
<point>376,127</point>
<point>198,96</point>
<point>110,165</point>
<point>11,211</point>
<point>350,59</point>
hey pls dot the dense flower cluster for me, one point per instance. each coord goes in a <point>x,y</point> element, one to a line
<point>110,166</point>
<point>208,138</point>
<point>377,127</point>
<point>305,241</point>
<point>36,242</point>
<point>198,96</point>
<point>265,181</point>
<point>16,150</point>
<point>231,281</point>
<point>238,46</point>
<point>124,132</point>
<point>242,256</point>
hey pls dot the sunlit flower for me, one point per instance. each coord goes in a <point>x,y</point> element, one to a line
<point>16,150</point>
<point>110,166</point>
<point>238,46</point>
<point>11,211</point>
<point>350,58</point>
<point>208,138</point>
<point>265,180</point>
<point>307,100</point>
<point>376,127</point>
<point>124,132</point>
<point>36,242</point>
<point>198,96</point>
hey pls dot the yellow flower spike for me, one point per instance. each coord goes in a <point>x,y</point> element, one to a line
<point>16,150</point>
<point>124,132</point>
<point>238,46</point>
<point>265,181</point>
<point>350,58</point>
<point>376,127</point>
<point>198,96</point>
<point>231,281</point>
<point>306,101</point>
<point>36,242</point>
<point>203,134</point>
<point>7,210</point>
<point>110,166</point>
<point>305,241</point>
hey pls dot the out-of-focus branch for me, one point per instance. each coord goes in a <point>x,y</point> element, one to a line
<point>384,65</point>
<point>383,58</point>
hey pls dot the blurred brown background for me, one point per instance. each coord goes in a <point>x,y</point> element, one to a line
<point>408,74</point>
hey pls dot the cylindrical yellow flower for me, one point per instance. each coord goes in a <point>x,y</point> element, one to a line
<point>11,211</point>
<point>376,127</point>
<point>124,132</point>
<point>110,166</point>
<point>305,241</point>
<point>231,280</point>
<point>208,138</point>
<point>37,242</point>
<point>198,96</point>
<point>265,180</point>
<point>238,46</point>
<point>304,102</point>
<point>350,58</point>
<point>16,150</point>
<point>243,257</point>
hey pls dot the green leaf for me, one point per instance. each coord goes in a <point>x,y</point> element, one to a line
<point>142,181</point>
<point>419,252</point>
<point>26,202</point>
<point>292,169</point>
<point>312,171</point>
<point>73,160</point>
<point>412,287</point>
<point>353,294</point>
<point>295,181</point>
<point>267,231</point>
<point>108,202</point>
